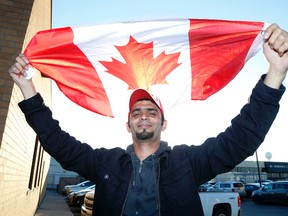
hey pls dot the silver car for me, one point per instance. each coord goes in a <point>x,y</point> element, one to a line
<point>229,186</point>
<point>72,188</point>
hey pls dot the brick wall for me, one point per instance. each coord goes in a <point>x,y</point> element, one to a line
<point>23,163</point>
<point>14,18</point>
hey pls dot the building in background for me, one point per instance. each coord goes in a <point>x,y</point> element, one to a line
<point>58,177</point>
<point>23,163</point>
<point>248,172</point>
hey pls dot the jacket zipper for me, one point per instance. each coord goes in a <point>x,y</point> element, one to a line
<point>140,167</point>
<point>158,195</point>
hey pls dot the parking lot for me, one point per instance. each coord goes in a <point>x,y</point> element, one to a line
<point>76,211</point>
<point>249,208</point>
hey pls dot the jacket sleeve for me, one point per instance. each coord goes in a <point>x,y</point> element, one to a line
<point>247,131</point>
<point>69,152</point>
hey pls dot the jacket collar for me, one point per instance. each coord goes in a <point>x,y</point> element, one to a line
<point>162,153</point>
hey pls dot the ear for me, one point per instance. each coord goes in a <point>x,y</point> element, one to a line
<point>128,127</point>
<point>164,126</point>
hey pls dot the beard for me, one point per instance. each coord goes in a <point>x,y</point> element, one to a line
<point>144,135</point>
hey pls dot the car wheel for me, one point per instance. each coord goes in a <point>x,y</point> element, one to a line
<point>221,212</point>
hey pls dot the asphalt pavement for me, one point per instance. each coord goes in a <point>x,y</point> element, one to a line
<point>53,204</point>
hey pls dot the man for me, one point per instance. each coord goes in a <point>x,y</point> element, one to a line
<point>150,178</point>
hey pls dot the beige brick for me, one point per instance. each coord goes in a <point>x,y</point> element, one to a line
<point>19,21</point>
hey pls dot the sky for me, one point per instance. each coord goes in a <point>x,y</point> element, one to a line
<point>192,122</point>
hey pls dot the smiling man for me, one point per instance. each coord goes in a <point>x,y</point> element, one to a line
<point>145,122</point>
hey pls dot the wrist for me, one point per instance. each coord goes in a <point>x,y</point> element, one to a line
<point>28,90</point>
<point>274,78</point>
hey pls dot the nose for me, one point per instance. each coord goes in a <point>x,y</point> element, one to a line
<point>144,115</point>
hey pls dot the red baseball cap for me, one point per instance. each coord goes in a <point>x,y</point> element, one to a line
<point>140,94</point>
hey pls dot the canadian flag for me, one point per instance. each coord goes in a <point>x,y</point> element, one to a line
<point>99,66</point>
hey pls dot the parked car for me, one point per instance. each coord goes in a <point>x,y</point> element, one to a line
<point>204,186</point>
<point>275,192</point>
<point>77,198</point>
<point>229,186</point>
<point>263,182</point>
<point>87,207</point>
<point>69,188</point>
<point>250,187</point>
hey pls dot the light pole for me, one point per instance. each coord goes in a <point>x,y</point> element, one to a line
<point>258,169</point>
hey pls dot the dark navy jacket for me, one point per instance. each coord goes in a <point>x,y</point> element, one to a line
<point>182,169</point>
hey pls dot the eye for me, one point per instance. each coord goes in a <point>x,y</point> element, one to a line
<point>153,113</point>
<point>135,114</point>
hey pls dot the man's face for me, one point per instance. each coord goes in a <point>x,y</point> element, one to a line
<point>145,121</point>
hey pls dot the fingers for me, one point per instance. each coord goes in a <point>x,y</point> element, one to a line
<point>22,59</point>
<point>269,31</point>
<point>19,66</point>
<point>277,39</point>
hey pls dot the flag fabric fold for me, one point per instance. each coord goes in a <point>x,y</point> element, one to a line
<point>98,67</point>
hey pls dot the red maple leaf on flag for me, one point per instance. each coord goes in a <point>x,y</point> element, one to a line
<point>141,69</point>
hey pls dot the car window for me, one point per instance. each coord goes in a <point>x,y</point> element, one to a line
<point>280,186</point>
<point>268,187</point>
<point>238,184</point>
<point>225,185</point>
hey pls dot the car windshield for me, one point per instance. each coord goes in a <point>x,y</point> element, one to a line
<point>268,187</point>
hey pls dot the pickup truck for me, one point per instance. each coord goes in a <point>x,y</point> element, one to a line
<point>221,203</point>
<point>214,203</point>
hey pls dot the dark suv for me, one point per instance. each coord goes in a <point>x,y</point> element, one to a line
<point>275,192</point>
